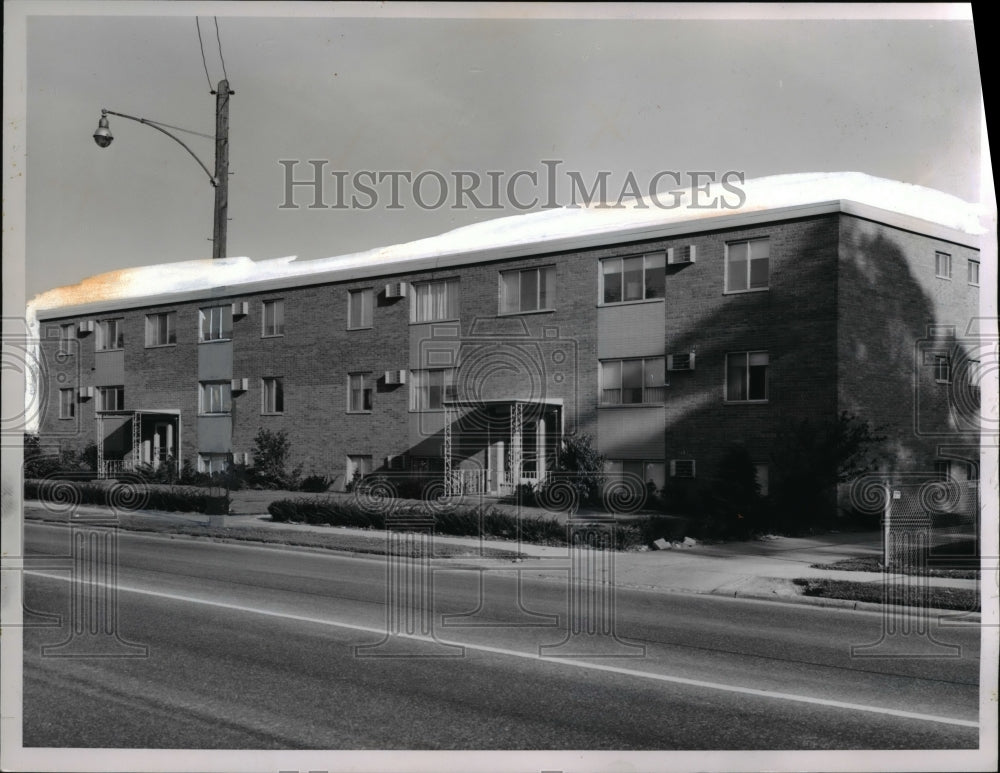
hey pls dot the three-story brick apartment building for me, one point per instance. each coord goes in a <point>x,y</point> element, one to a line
<point>666,335</point>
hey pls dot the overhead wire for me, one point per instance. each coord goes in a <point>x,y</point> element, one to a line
<point>219,41</point>
<point>203,61</point>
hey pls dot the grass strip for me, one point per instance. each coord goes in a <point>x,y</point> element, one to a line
<point>335,540</point>
<point>962,599</point>
<point>873,564</point>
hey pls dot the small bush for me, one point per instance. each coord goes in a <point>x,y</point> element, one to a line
<point>270,461</point>
<point>315,484</point>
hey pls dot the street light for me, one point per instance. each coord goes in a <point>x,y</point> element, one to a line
<point>219,181</point>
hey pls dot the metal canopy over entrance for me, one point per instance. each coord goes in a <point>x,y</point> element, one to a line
<point>499,444</point>
<point>128,439</point>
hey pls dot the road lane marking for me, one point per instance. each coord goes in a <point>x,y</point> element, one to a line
<point>581,664</point>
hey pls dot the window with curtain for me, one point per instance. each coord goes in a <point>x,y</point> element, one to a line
<point>748,265</point>
<point>359,309</point>
<point>637,278</point>
<point>274,318</point>
<point>435,301</point>
<point>746,376</point>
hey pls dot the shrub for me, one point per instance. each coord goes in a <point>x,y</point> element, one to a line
<point>315,483</point>
<point>583,465</point>
<point>812,457</point>
<point>270,461</point>
<point>130,496</point>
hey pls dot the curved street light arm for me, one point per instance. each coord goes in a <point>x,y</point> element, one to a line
<point>180,142</point>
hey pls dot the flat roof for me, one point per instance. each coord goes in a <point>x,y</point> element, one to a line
<point>770,199</point>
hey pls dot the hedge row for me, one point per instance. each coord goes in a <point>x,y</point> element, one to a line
<point>459,521</point>
<point>64,494</point>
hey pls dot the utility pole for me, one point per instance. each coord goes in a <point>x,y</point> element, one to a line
<point>221,169</point>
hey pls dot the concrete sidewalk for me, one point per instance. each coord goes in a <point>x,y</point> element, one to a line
<point>763,568</point>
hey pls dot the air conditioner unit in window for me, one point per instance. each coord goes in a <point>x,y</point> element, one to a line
<point>86,327</point>
<point>395,290</point>
<point>682,468</point>
<point>239,384</point>
<point>242,457</point>
<point>395,377</point>
<point>241,308</point>
<point>679,256</point>
<point>85,393</point>
<point>683,361</point>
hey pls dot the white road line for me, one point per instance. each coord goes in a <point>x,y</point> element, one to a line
<point>534,656</point>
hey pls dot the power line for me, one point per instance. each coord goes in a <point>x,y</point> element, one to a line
<point>202,46</point>
<point>180,129</point>
<point>219,40</point>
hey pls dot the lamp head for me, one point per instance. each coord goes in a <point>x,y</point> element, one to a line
<point>103,134</point>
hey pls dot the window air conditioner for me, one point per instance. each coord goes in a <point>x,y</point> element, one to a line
<point>87,327</point>
<point>679,256</point>
<point>680,361</point>
<point>395,290</point>
<point>241,308</point>
<point>393,377</point>
<point>239,384</point>
<point>85,393</point>
<point>682,468</point>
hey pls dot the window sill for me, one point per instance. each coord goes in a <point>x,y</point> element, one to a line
<point>116,349</point>
<point>626,406</point>
<point>437,321</point>
<point>216,341</point>
<point>271,413</point>
<point>366,327</point>
<point>973,284</point>
<point>67,418</point>
<point>358,413</point>
<point>160,346</point>
<point>746,402</point>
<point>522,313</point>
<point>745,292</point>
<point>274,335</point>
<point>629,303</point>
<point>946,278</point>
<point>211,415</point>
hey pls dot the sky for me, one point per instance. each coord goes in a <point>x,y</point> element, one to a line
<point>896,98</point>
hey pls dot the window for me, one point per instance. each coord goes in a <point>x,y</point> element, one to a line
<point>110,335</point>
<point>942,265</point>
<point>359,309</point>
<point>215,397</point>
<point>973,374</point>
<point>746,376</point>
<point>161,329</point>
<point>67,334</point>
<point>358,465</point>
<point>435,301</point>
<point>942,369</point>
<point>273,396</point>
<point>274,318</point>
<point>430,388</point>
<point>748,265</point>
<point>633,279</point>
<point>630,382</point>
<point>111,398</point>
<point>973,272</point>
<point>531,289</point>
<point>359,393</point>
<point>215,323</point>
<point>635,471</point>
<point>67,404</point>
<point>213,464</point>
<point>763,478</point>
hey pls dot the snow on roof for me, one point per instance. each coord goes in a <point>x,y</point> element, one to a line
<point>536,228</point>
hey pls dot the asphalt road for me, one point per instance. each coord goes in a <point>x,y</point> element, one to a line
<point>251,647</point>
